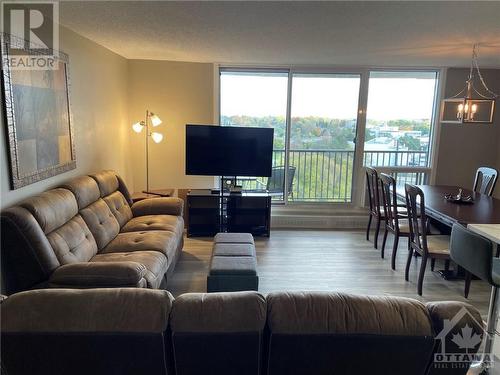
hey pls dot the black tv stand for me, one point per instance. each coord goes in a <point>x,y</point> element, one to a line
<point>209,213</point>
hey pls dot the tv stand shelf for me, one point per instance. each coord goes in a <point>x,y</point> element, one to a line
<point>213,213</point>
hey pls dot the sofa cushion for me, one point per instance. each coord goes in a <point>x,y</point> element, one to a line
<point>52,208</point>
<point>119,207</point>
<point>155,222</point>
<point>99,275</point>
<point>234,250</point>
<point>85,190</point>
<point>154,261</point>
<point>162,241</point>
<point>233,238</point>
<point>337,313</point>
<point>219,312</point>
<point>233,265</point>
<point>91,310</point>
<point>73,242</point>
<point>107,181</point>
<point>101,222</point>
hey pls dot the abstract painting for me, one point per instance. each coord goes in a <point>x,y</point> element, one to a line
<point>38,117</point>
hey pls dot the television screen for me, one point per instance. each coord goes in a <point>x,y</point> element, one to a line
<point>228,151</point>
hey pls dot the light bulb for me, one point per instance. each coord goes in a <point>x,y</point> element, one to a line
<point>460,109</point>
<point>473,108</point>
<point>155,120</point>
<point>466,108</point>
<point>157,137</point>
<point>137,127</point>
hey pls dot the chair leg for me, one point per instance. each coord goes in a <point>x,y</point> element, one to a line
<point>447,265</point>
<point>408,262</point>
<point>377,230</point>
<point>433,263</point>
<point>368,228</point>
<point>491,320</point>
<point>421,274</point>
<point>468,278</point>
<point>382,250</point>
<point>394,251</point>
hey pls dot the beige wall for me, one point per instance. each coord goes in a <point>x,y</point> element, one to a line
<point>179,93</point>
<point>99,105</point>
<point>464,148</point>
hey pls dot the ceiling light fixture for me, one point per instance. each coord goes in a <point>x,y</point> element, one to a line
<point>471,105</point>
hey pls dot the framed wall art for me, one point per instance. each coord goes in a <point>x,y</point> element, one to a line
<point>37,113</point>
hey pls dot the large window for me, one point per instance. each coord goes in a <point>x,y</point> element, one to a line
<point>399,123</point>
<point>316,121</point>
<point>323,127</point>
<point>258,99</point>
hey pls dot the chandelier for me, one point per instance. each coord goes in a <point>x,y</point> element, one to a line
<point>472,104</point>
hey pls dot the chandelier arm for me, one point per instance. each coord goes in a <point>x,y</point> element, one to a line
<point>476,65</point>
<point>459,94</point>
<point>480,94</point>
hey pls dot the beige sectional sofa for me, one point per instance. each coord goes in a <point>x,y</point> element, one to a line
<point>86,234</point>
<point>140,331</point>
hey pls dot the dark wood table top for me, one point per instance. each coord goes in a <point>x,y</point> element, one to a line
<point>484,210</point>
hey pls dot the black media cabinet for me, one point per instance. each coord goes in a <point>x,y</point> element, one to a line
<point>209,214</point>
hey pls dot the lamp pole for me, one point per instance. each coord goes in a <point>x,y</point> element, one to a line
<point>146,125</point>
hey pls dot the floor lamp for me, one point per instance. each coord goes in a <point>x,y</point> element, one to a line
<point>151,121</point>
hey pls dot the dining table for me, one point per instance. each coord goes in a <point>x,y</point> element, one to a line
<point>482,209</point>
<point>481,214</point>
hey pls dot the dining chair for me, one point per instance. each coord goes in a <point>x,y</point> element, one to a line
<point>474,253</point>
<point>428,246</point>
<point>485,180</point>
<point>395,221</point>
<point>372,183</point>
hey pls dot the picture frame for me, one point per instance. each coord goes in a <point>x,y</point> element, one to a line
<point>37,114</point>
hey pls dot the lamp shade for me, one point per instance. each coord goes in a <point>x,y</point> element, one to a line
<point>157,137</point>
<point>155,120</point>
<point>137,127</point>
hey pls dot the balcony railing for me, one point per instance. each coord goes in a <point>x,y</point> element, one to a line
<point>326,175</point>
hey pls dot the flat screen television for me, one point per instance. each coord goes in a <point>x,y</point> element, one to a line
<point>228,151</point>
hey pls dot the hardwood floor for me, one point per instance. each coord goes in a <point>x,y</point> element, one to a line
<point>341,261</point>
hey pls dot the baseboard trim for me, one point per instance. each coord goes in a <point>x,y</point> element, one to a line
<point>318,222</point>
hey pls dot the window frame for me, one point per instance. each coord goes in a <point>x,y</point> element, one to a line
<point>358,180</point>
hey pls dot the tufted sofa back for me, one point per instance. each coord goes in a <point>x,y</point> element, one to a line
<point>64,225</point>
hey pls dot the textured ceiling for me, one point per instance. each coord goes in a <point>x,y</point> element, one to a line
<point>301,33</point>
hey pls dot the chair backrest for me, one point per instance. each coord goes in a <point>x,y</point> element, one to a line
<point>485,180</point>
<point>415,204</point>
<point>472,251</point>
<point>334,333</point>
<point>218,333</point>
<point>372,183</point>
<point>390,200</point>
<point>275,183</point>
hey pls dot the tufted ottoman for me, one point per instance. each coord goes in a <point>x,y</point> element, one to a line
<point>233,266</point>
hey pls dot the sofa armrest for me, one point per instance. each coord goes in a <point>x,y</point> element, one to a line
<point>87,310</point>
<point>158,206</point>
<point>99,274</point>
<point>449,319</point>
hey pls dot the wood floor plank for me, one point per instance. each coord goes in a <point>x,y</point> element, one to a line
<point>316,260</point>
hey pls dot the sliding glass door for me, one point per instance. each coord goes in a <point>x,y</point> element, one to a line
<point>317,117</point>
<point>323,127</point>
